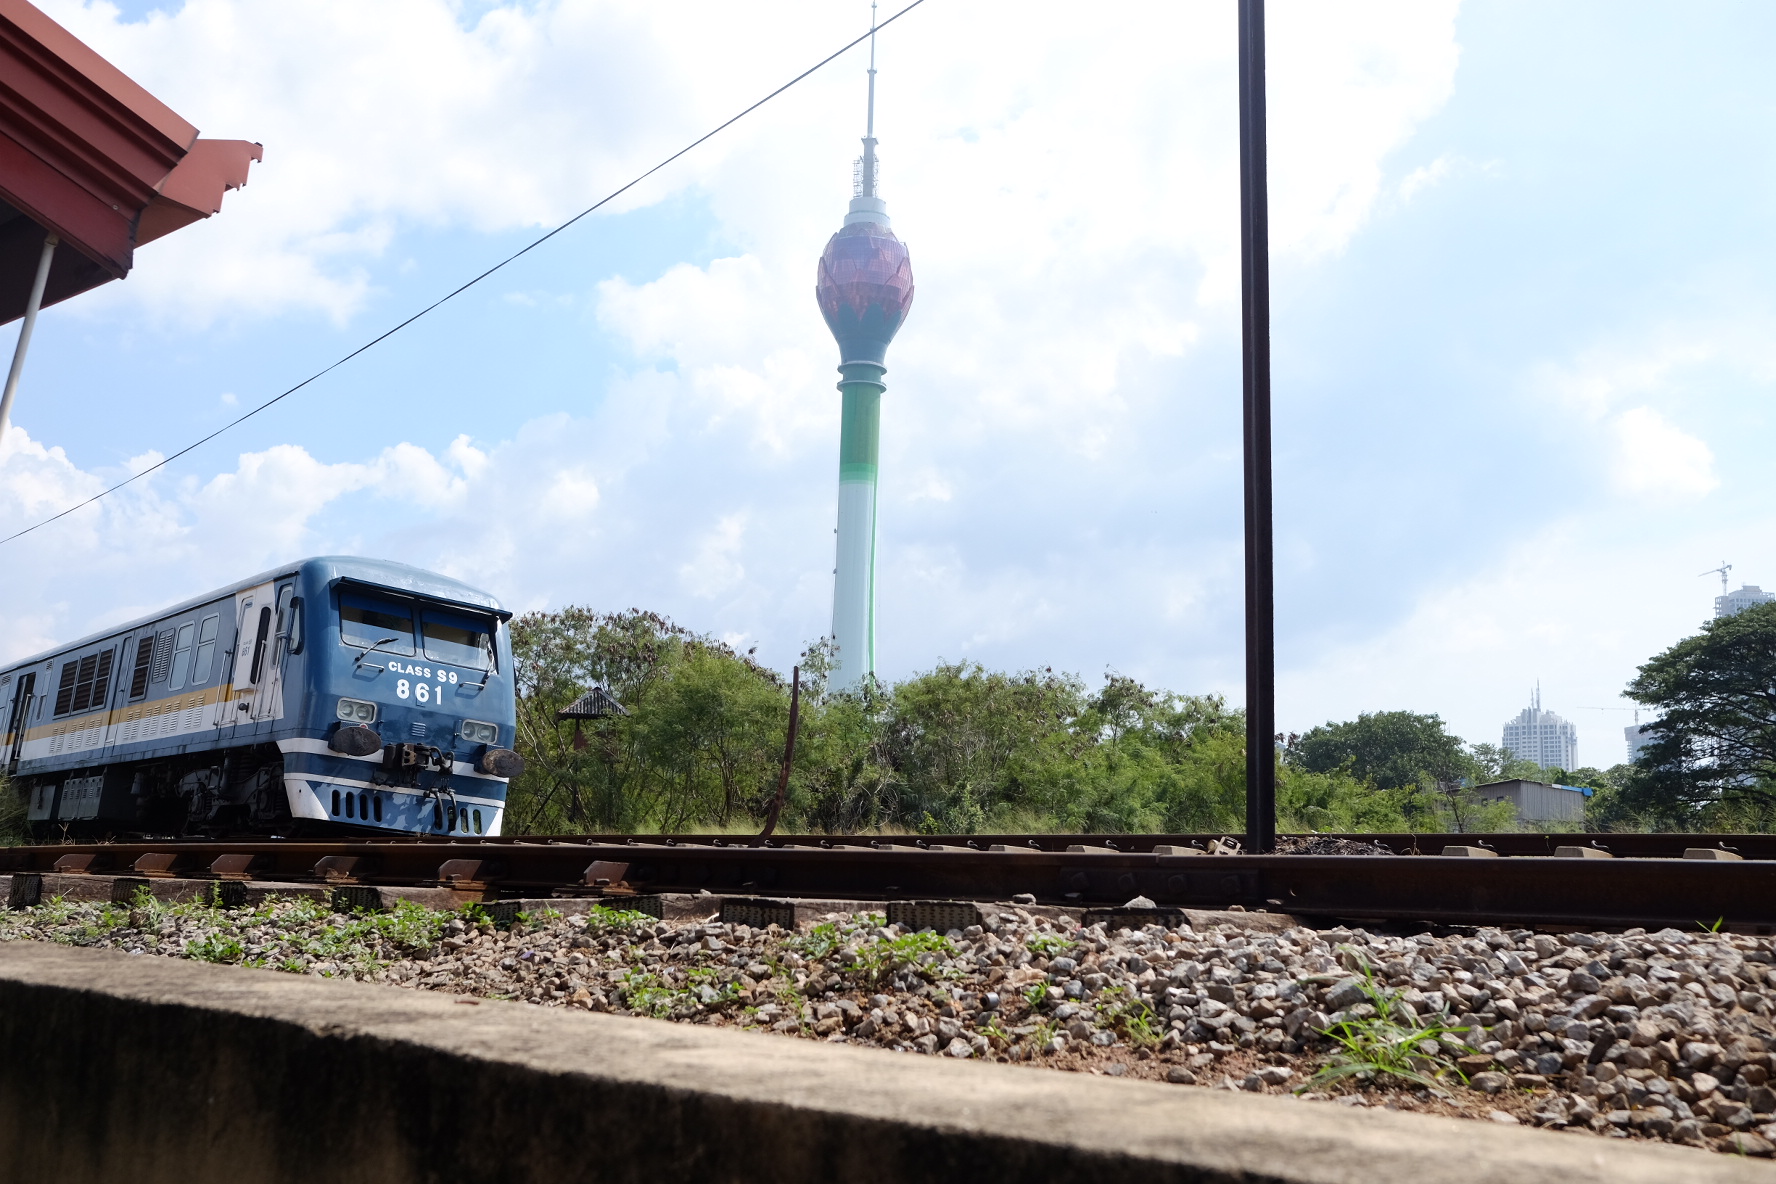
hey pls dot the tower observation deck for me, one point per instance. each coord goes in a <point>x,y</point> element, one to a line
<point>864,287</point>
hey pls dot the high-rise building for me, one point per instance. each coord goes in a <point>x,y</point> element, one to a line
<point>1543,737</point>
<point>1729,603</point>
<point>1639,740</point>
<point>865,287</point>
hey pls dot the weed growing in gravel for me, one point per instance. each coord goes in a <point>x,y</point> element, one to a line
<point>878,960</point>
<point>818,944</point>
<point>1048,945</point>
<point>1036,996</point>
<point>647,993</point>
<point>1130,1016</point>
<point>994,1030</point>
<point>216,948</point>
<point>1390,1043</point>
<point>1044,1031</point>
<point>56,913</point>
<point>599,919</point>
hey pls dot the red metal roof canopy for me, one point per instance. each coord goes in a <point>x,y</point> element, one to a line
<point>90,156</point>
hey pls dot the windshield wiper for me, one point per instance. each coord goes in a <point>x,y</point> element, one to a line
<point>365,653</point>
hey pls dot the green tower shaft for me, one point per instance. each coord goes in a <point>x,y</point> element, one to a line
<point>854,569</point>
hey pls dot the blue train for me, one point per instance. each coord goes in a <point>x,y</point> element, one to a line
<point>329,694</point>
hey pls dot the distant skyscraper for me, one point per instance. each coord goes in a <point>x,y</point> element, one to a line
<point>1639,739</point>
<point>1543,737</point>
<point>865,287</point>
<point>1730,603</point>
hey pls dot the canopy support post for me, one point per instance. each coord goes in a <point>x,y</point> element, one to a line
<point>24,338</point>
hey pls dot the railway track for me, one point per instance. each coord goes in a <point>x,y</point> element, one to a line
<point>1542,881</point>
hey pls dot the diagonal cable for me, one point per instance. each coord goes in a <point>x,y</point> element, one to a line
<point>445,299</point>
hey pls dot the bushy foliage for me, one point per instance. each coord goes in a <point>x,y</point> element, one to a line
<point>1392,749</point>
<point>695,748</point>
<point>1423,772</point>
<point>957,749</point>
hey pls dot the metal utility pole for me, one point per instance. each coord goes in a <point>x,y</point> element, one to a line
<point>1255,302</point>
<point>795,717</point>
<point>32,304</point>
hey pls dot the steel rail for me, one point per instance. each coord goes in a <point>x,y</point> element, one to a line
<point>1511,843</point>
<point>1527,891</point>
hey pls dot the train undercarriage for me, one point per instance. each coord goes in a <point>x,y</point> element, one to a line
<point>229,792</point>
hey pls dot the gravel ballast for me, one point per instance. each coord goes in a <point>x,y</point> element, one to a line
<point>1665,1035</point>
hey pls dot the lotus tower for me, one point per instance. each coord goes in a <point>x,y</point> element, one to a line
<point>865,287</point>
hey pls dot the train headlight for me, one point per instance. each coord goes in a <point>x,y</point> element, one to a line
<point>476,732</point>
<point>356,711</point>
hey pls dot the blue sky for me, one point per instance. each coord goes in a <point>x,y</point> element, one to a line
<point>1522,327</point>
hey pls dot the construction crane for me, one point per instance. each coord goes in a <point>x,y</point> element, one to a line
<point>1722,571</point>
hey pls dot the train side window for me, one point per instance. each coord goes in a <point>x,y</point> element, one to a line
<point>182,656</point>
<point>206,649</point>
<point>144,662</point>
<point>376,804</point>
<point>365,622</point>
<point>295,627</point>
<point>336,801</point>
<point>260,639</point>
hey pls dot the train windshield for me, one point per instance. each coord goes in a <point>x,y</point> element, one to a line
<point>369,621</point>
<point>458,638</point>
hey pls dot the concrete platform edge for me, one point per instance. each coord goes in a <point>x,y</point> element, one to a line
<point>155,1069</point>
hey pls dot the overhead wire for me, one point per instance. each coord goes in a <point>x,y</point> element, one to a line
<point>445,299</point>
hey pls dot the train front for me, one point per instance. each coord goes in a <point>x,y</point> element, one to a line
<point>409,718</point>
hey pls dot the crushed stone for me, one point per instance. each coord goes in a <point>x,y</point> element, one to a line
<point>1665,1035</point>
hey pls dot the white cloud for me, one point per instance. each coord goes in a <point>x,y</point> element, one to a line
<point>1448,165</point>
<point>1578,603</point>
<point>160,539</point>
<point>716,568</point>
<point>1070,200</point>
<point>1658,459</point>
<point>1358,82</point>
<point>1604,375</point>
<point>1056,145</point>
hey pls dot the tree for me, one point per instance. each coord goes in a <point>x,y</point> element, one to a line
<point>1713,756</point>
<point>958,737</point>
<point>1389,749</point>
<point>1494,763</point>
<point>700,745</point>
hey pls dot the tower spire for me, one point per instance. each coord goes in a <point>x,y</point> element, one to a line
<point>868,188</point>
<point>866,205</point>
<point>869,129</point>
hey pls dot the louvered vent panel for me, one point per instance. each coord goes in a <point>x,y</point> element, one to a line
<point>144,659</point>
<point>163,654</point>
<point>65,689</point>
<point>83,683</point>
<point>101,692</point>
